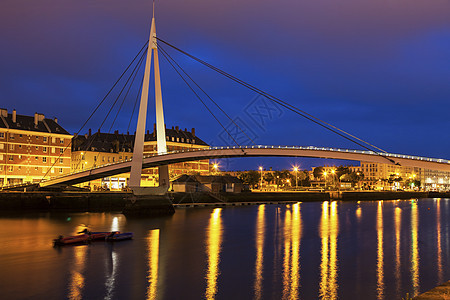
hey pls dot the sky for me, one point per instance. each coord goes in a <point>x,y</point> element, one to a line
<point>379,70</point>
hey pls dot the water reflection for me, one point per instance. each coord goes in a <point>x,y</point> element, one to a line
<point>380,254</point>
<point>414,248</point>
<point>153,263</point>
<point>438,240</point>
<point>260,232</point>
<point>77,280</point>
<point>329,229</point>
<point>213,247</point>
<point>111,277</point>
<point>398,226</point>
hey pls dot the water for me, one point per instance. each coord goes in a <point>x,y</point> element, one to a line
<point>331,250</point>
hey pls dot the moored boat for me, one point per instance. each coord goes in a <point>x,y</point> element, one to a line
<point>117,236</point>
<point>69,240</point>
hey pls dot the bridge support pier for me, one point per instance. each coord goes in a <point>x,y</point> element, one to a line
<point>148,206</point>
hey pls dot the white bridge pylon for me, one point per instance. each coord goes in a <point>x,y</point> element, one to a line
<point>136,164</point>
<point>251,151</point>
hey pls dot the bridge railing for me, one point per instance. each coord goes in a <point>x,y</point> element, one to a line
<point>314,148</point>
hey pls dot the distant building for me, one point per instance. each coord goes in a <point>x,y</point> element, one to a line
<point>30,146</point>
<point>92,150</point>
<point>379,175</point>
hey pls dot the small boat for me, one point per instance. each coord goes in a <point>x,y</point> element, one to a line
<point>70,240</point>
<point>98,235</point>
<point>117,236</point>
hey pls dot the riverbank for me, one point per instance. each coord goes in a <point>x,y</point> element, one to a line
<point>440,292</point>
<point>116,201</point>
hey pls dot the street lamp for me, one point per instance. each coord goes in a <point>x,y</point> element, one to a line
<point>260,185</point>
<point>295,170</point>
<point>325,173</point>
<point>216,167</point>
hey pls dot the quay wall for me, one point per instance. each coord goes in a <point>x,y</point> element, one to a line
<point>117,201</point>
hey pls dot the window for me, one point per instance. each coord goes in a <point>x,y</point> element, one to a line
<point>60,170</point>
<point>103,159</point>
<point>52,170</point>
<point>44,149</point>
<point>36,168</point>
<point>61,150</point>
<point>36,158</point>
<point>2,146</point>
<point>95,158</point>
<point>44,139</point>
<point>19,168</point>
<point>10,168</point>
<point>2,135</point>
<point>114,159</point>
<point>11,147</point>
<point>61,141</point>
<point>37,148</point>
<point>178,139</point>
<point>20,146</point>
<point>1,168</point>
<point>53,149</point>
<point>1,156</point>
<point>173,139</point>
<point>61,160</point>
<point>20,135</point>
<point>11,136</point>
<point>109,159</point>
<point>53,140</point>
<point>20,156</point>
<point>11,157</point>
<point>44,159</point>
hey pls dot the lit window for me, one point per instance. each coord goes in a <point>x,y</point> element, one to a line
<point>11,157</point>
<point>60,170</point>
<point>53,140</point>
<point>2,146</point>
<point>60,160</point>
<point>1,156</point>
<point>61,141</point>
<point>11,147</point>
<point>44,149</point>
<point>20,156</point>
<point>61,150</point>
<point>10,168</point>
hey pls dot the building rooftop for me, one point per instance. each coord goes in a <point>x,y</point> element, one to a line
<point>37,123</point>
<point>118,142</point>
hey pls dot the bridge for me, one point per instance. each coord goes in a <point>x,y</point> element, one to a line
<point>250,151</point>
<point>163,158</point>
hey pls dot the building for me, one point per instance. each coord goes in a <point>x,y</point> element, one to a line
<point>32,147</point>
<point>92,150</point>
<point>201,183</point>
<point>387,176</point>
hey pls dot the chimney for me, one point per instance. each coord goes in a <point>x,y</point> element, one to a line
<point>90,132</point>
<point>185,130</point>
<point>116,131</point>
<point>56,120</point>
<point>148,131</point>
<point>14,116</point>
<point>35,119</point>
<point>177,128</point>
<point>154,127</point>
<point>4,112</point>
<point>172,127</point>
<point>193,131</point>
<point>98,130</point>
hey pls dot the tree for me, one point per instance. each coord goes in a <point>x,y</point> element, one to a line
<point>318,171</point>
<point>268,177</point>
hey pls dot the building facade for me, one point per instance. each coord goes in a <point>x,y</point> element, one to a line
<point>31,148</point>
<point>92,150</point>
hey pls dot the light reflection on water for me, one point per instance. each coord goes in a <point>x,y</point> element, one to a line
<point>213,247</point>
<point>329,250</point>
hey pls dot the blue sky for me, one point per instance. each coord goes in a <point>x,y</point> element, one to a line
<point>377,69</point>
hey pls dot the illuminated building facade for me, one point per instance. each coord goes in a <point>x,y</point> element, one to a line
<point>30,146</point>
<point>98,149</point>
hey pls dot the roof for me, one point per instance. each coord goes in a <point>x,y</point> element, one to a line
<point>28,123</point>
<point>204,179</point>
<point>118,142</point>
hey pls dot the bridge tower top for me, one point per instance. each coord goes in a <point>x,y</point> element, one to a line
<point>136,167</point>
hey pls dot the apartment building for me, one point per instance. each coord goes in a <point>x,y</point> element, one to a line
<point>32,147</point>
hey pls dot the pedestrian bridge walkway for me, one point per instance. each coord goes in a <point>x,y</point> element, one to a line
<point>250,151</point>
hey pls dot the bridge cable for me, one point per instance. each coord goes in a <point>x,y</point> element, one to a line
<point>95,110</point>
<point>283,103</point>
<point>134,72</point>
<point>215,103</point>
<point>199,98</point>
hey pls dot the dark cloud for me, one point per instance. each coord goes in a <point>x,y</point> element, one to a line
<point>378,69</point>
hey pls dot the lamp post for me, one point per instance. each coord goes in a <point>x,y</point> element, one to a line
<point>295,170</point>
<point>260,170</point>
<point>325,175</point>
